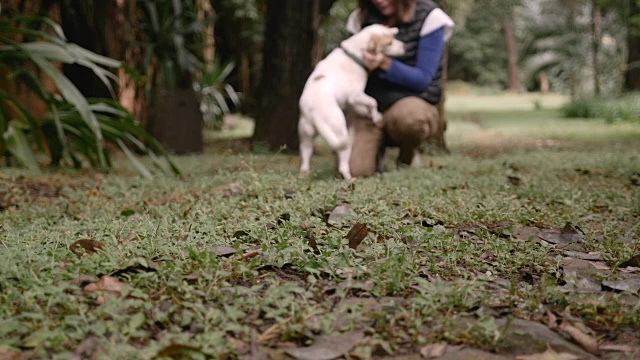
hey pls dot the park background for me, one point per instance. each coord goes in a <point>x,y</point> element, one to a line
<point>150,205</point>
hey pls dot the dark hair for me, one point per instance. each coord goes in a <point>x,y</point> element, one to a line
<point>404,9</point>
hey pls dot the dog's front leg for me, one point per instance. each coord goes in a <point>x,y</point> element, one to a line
<point>366,106</point>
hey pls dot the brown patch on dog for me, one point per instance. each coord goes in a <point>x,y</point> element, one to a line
<point>377,43</point>
<point>318,77</point>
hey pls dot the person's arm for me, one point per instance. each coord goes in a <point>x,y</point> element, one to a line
<point>417,78</point>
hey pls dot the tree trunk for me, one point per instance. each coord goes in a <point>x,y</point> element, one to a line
<point>175,118</point>
<point>512,55</point>
<point>288,58</point>
<point>84,23</point>
<point>595,33</point>
<point>632,76</point>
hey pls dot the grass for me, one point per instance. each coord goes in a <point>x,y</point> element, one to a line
<point>624,108</point>
<point>442,246</point>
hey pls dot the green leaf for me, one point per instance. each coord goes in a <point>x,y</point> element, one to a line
<point>74,96</point>
<point>142,170</point>
<point>17,144</point>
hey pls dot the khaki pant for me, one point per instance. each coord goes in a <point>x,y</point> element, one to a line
<point>407,124</point>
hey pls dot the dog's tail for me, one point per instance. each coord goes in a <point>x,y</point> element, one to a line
<point>332,126</point>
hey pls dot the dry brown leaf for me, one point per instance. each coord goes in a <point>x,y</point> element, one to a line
<point>176,351</point>
<point>245,256</point>
<point>328,347</point>
<point>8,354</point>
<point>108,285</point>
<point>357,233</point>
<point>599,265</point>
<point>617,347</point>
<point>89,246</point>
<point>431,351</point>
<point>130,236</point>
<point>588,342</point>
<point>550,354</point>
<point>230,189</point>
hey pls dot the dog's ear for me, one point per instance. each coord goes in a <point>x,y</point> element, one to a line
<point>374,44</point>
<point>394,30</point>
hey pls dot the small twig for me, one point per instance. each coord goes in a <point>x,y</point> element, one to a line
<point>245,256</point>
<point>271,332</point>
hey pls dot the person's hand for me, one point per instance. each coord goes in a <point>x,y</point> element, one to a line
<point>377,60</point>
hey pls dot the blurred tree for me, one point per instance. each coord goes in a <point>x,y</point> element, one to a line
<point>239,31</point>
<point>289,43</point>
<point>632,76</point>
<point>477,53</point>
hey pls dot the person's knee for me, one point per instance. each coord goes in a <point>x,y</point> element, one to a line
<point>367,139</point>
<point>411,120</point>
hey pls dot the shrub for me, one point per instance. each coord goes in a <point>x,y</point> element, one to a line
<point>626,108</point>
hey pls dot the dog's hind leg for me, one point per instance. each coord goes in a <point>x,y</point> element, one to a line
<point>306,133</point>
<point>344,156</point>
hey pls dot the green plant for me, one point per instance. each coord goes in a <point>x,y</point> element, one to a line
<point>216,93</point>
<point>75,129</point>
<point>626,107</point>
<point>171,32</point>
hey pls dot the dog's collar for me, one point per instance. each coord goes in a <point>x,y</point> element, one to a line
<point>356,59</point>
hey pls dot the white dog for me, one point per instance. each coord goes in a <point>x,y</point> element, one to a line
<point>336,84</point>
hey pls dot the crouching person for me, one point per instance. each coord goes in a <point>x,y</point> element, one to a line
<point>407,88</point>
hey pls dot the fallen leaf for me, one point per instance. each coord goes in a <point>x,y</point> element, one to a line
<point>357,233</point>
<point>431,351</point>
<point>588,342</point>
<point>600,266</point>
<point>634,262</point>
<point>337,214</point>
<point>223,251</point>
<point>89,348</point>
<point>630,285</point>
<point>192,276</point>
<point>130,236</point>
<point>313,243</point>
<point>593,256</point>
<point>568,235</point>
<point>8,354</point>
<point>550,354</point>
<point>107,285</point>
<point>231,189</point>
<point>630,270</point>
<point>328,347</point>
<point>617,347</point>
<point>356,285</point>
<point>514,180</point>
<point>89,246</point>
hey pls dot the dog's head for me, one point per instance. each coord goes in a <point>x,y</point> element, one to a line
<point>382,40</point>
